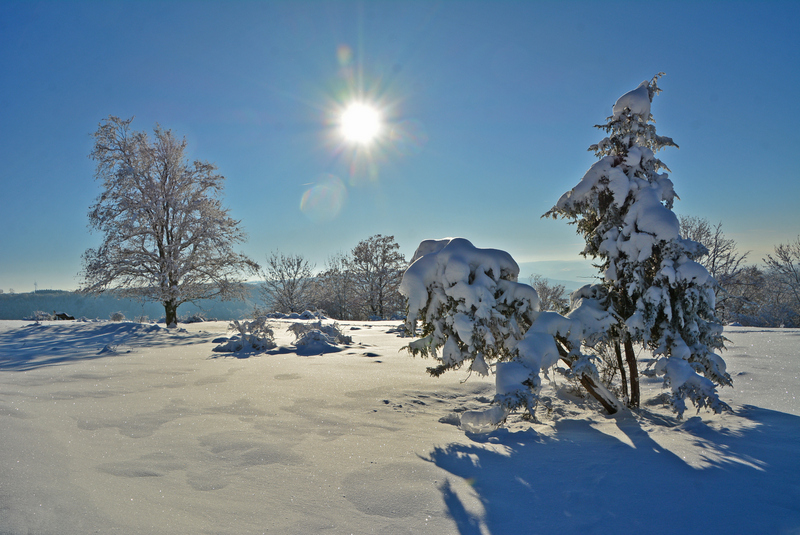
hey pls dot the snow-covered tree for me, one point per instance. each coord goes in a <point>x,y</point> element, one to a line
<point>784,267</point>
<point>287,282</point>
<point>376,267</point>
<point>723,261</point>
<point>167,237</point>
<point>332,289</point>
<point>661,297</point>
<point>473,312</point>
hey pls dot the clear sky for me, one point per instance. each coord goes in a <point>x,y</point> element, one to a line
<point>490,106</point>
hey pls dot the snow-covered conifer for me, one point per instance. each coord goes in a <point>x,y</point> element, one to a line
<point>465,298</point>
<point>661,297</point>
<point>474,312</point>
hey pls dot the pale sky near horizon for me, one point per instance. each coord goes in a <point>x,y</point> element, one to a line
<point>491,105</point>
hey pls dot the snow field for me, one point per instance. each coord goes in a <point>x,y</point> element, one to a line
<point>120,428</point>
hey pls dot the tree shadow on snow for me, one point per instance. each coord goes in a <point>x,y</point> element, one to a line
<point>41,345</point>
<point>582,480</point>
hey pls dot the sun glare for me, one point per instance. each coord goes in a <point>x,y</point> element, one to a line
<point>361,123</point>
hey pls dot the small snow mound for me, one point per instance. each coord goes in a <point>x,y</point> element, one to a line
<point>319,336</point>
<point>450,419</point>
<point>484,421</point>
<point>237,343</point>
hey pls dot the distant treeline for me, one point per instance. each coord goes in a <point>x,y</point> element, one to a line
<point>17,306</point>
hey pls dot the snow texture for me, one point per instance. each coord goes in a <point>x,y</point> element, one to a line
<point>159,438</point>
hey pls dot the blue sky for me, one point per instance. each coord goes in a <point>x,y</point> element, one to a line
<point>492,105</point>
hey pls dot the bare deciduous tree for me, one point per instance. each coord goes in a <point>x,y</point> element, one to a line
<point>333,288</point>
<point>722,261</point>
<point>785,268</point>
<point>551,296</point>
<point>287,282</point>
<point>167,237</point>
<point>377,268</point>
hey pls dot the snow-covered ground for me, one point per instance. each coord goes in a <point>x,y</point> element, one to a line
<point>128,428</point>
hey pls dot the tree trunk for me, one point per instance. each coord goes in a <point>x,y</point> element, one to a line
<point>595,389</point>
<point>171,313</point>
<point>622,374</point>
<point>630,356</point>
<point>599,392</point>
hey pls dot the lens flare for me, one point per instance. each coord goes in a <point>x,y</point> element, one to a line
<point>408,137</point>
<point>324,200</point>
<point>344,54</point>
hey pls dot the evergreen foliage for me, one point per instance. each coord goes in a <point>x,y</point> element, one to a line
<point>661,297</point>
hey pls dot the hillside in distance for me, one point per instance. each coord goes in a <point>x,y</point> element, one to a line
<point>17,306</point>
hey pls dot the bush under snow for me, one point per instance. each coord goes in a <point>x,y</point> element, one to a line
<point>256,335</point>
<point>331,330</point>
<point>316,338</point>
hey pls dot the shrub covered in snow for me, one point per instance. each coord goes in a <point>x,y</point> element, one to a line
<point>117,316</point>
<point>256,335</point>
<point>331,330</point>
<point>315,342</point>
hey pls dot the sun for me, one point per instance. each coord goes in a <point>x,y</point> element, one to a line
<point>360,123</point>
